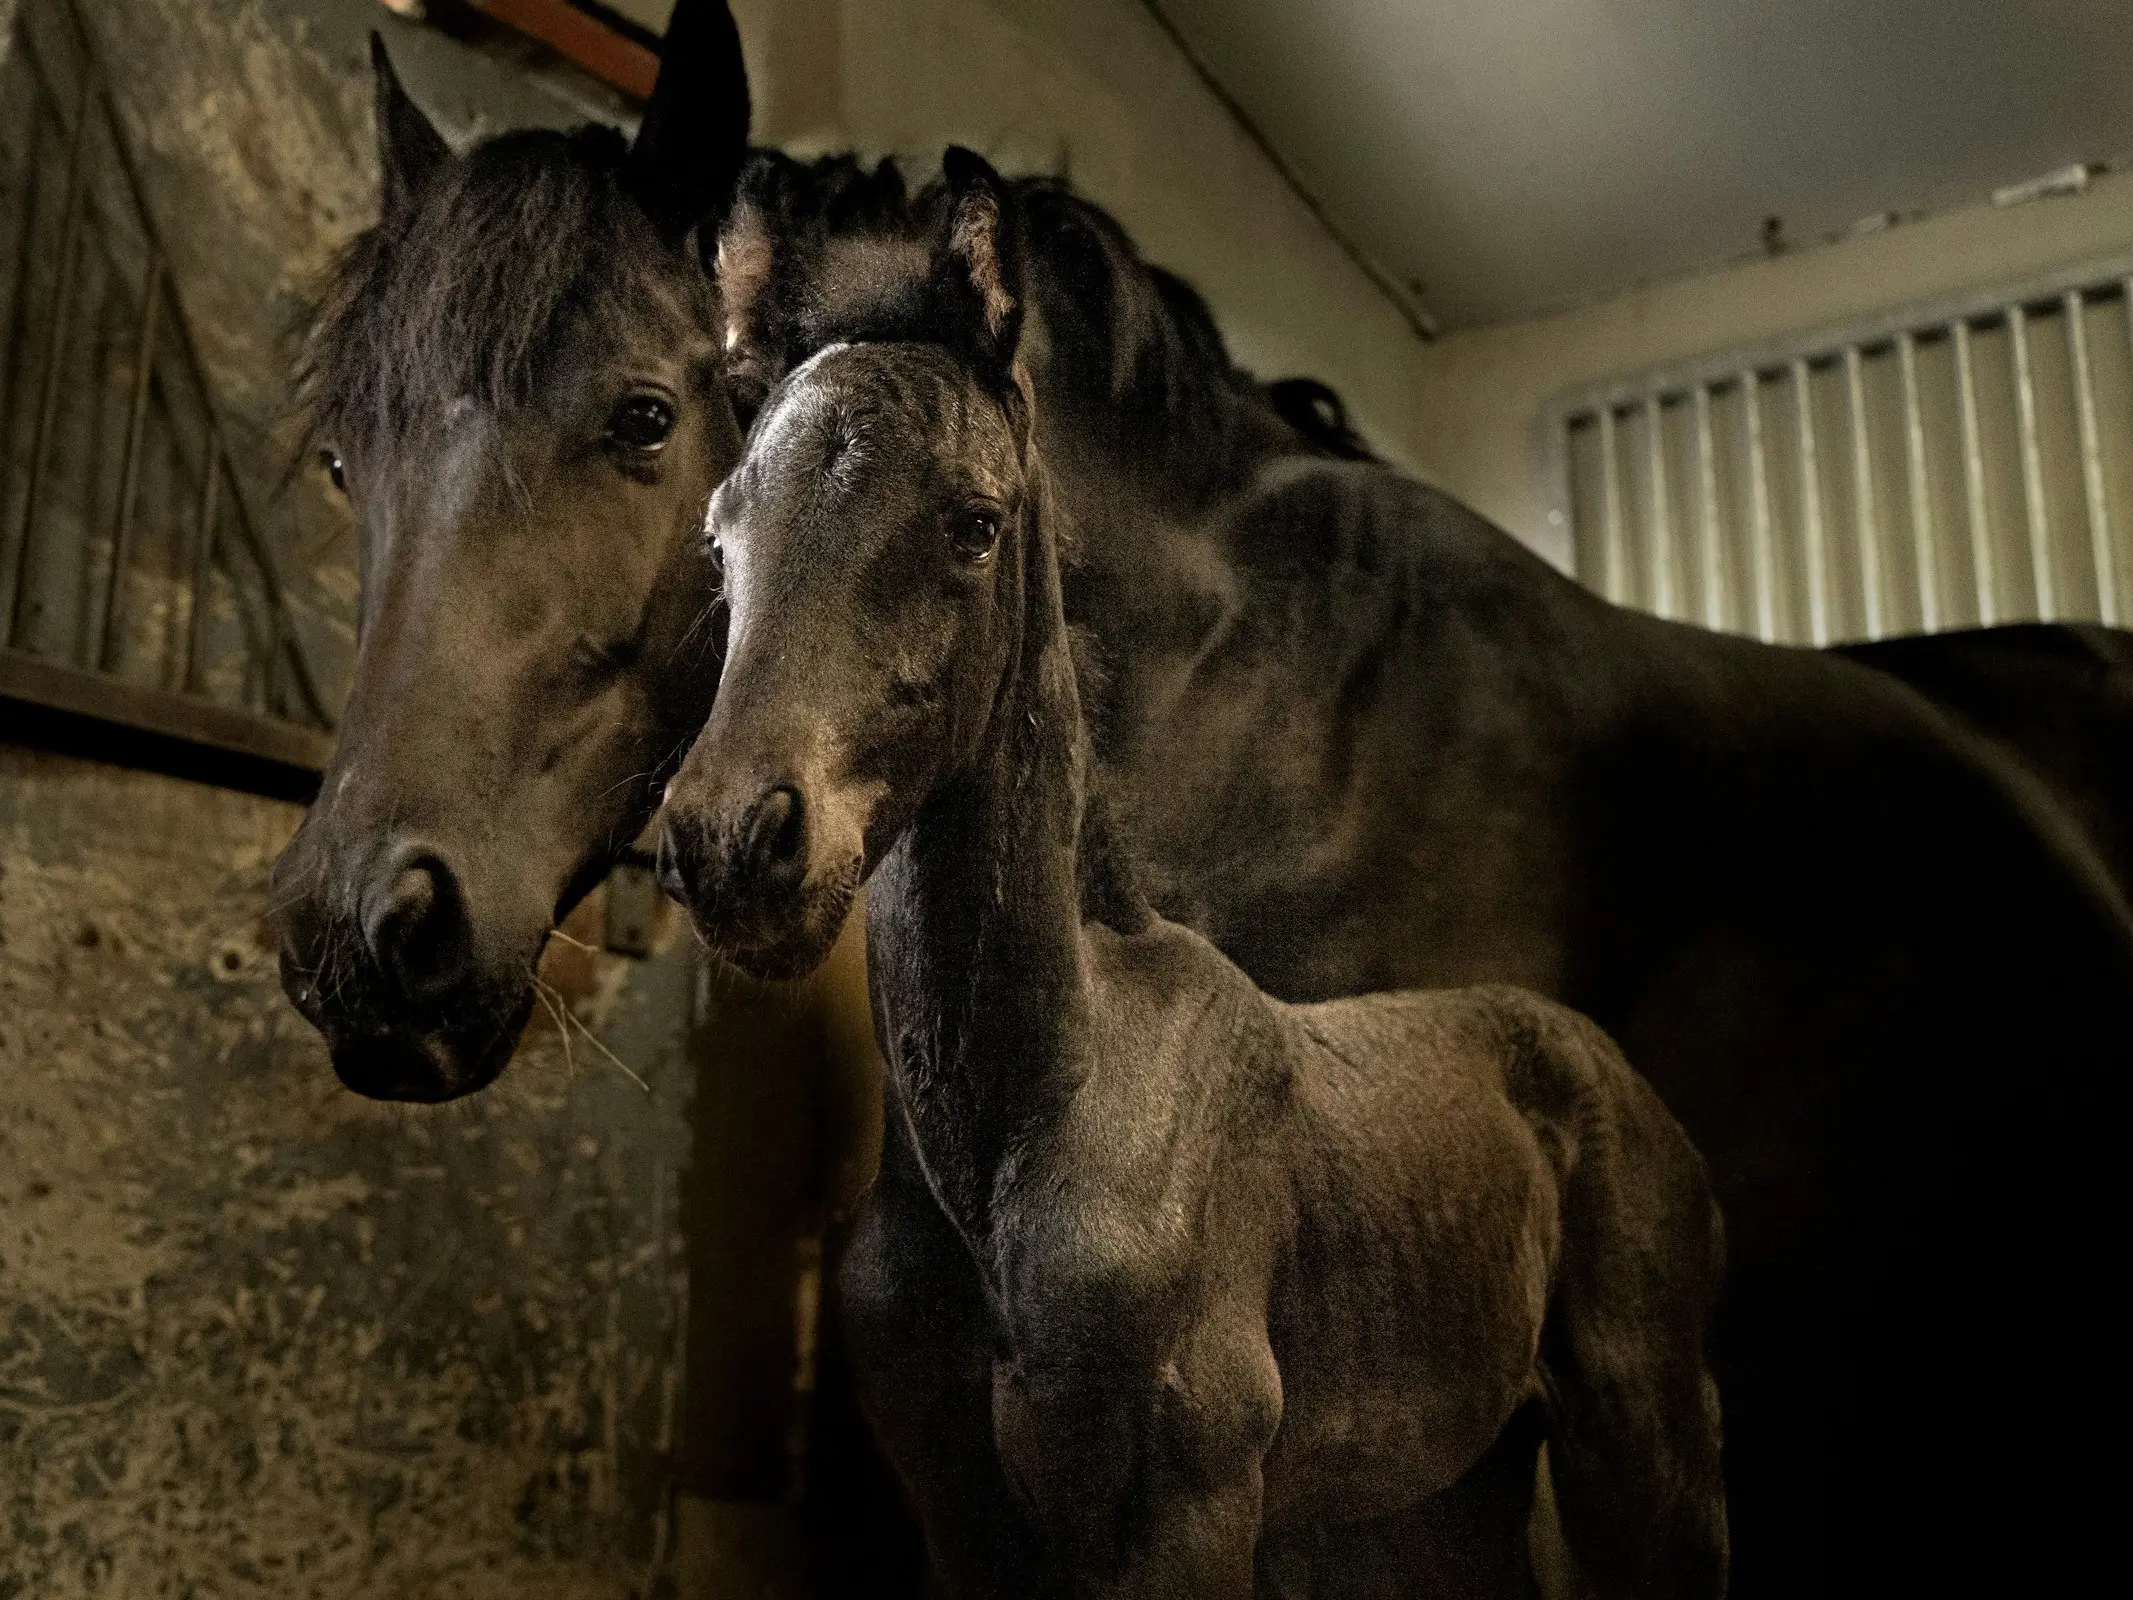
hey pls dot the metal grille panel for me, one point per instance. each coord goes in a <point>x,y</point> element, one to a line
<point>1969,463</point>
<point>134,582</point>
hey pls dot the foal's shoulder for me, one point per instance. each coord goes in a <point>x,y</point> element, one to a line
<point>1163,980</point>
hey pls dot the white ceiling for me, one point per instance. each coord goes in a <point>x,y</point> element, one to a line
<point>1511,156</point>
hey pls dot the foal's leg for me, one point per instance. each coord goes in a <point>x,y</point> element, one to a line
<point>1132,1512</point>
<point>1143,1472</point>
<point>1198,1541</point>
<point>1471,1541</point>
<point>922,1346</point>
<point>1634,1450</point>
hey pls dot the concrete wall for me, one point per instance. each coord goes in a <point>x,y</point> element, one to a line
<point>1479,395</point>
<point>260,1337</point>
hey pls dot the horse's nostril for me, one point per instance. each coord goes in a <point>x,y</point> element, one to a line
<point>415,924</point>
<point>777,830</point>
<point>413,893</point>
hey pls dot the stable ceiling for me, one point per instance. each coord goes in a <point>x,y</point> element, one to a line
<point>1500,158</point>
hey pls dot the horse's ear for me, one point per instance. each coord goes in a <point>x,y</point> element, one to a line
<point>694,136</point>
<point>409,148</point>
<point>979,262</point>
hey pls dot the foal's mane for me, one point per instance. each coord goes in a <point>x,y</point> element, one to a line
<point>469,288</point>
<point>836,249</point>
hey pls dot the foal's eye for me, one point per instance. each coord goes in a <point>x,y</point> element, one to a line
<point>974,533</point>
<point>331,461</point>
<point>641,423</point>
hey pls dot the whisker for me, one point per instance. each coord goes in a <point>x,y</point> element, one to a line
<point>293,890</point>
<point>703,619</point>
<point>635,777</point>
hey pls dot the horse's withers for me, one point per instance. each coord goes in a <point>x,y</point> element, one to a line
<point>518,375</point>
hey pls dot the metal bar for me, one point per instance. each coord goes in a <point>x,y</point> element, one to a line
<point>283,652</point>
<point>1763,556</point>
<point>1714,594</point>
<point>2033,507</point>
<point>43,92</point>
<point>55,347</point>
<point>1864,511</point>
<point>279,643</point>
<point>11,353</point>
<point>1811,534</point>
<point>2099,508</point>
<point>1923,541</point>
<point>203,555</point>
<point>1614,556</point>
<point>1980,514</point>
<point>2125,291</point>
<point>285,644</point>
<point>144,350</point>
<point>1662,525</point>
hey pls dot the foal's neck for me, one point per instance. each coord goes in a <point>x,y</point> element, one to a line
<point>974,923</point>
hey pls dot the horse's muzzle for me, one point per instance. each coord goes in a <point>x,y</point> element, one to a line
<point>424,1068</point>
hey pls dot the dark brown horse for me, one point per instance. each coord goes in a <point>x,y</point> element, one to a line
<point>517,378</point>
<point>1248,1266</point>
<point>1364,740</point>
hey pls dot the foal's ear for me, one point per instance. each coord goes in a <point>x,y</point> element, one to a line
<point>694,136</point>
<point>409,148</point>
<point>979,260</point>
<point>746,254</point>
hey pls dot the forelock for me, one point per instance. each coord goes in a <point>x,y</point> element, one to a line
<point>848,403</point>
<point>471,293</point>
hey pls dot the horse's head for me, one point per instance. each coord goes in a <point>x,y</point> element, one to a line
<point>876,541</point>
<point>517,379</point>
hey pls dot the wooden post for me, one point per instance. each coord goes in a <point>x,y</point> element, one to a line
<point>786,1133</point>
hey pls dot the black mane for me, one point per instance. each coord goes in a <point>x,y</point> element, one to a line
<point>1146,339</point>
<point>1132,332</point>
<point>469,288</point>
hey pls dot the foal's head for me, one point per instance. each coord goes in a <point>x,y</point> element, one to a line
<point>517,380</point>
<point>878,540</point>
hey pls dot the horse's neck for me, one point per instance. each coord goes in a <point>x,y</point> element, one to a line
<point>1138,424</point>
<point>1144,476</point>
<point>974,927</point>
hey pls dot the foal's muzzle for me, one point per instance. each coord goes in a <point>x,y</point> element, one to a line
<point>747,873</point>
<point>742,869</point>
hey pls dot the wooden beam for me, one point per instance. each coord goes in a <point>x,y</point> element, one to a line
<point>580,37</point>
<point>44,702</point>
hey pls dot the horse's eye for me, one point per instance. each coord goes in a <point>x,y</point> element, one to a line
<point>641,423</point>
<point>331,461</point>
<point>974,533</point>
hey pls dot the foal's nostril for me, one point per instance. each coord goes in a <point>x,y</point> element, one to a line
<point>777,831</point>
<point>668,864</point>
